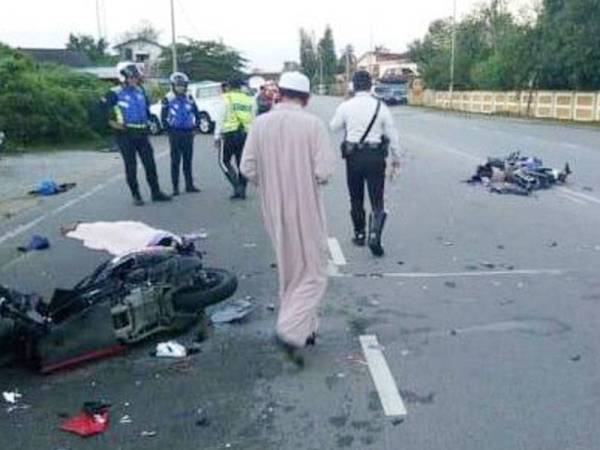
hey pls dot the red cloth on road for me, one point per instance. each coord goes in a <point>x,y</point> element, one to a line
<point>86,425</point>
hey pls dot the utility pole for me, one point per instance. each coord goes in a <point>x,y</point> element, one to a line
<point>347,70</point>
<point>452,55</point>
<point>98,21</point>
<point>173,40</point>
<point>320,73</point>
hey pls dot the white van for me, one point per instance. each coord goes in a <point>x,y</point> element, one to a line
<point>207,95</point>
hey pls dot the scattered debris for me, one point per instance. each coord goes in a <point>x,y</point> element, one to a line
<point>234,311</point>
<point>575,358</point>
<point>36,242</point>
<point>397,420</point>
<point>170,349</point>
<point>453,332</point>
<point>46,188</point>
<point>11,397</point>
<point>202,418</point>
<point>448,244</point>
<point>271,306</point>
<point>250,245</point>
<point>553,244</point>
<point>148,433</point>
<point>125,420</point>
<point>400,263</point>
<point>500,247</point>
<point>196,235</point>
<point>487,265</point>
<point>273,265</point>
<point>471,267</point>
<point>507,266</point>
<point>588,188</point>
<point>92,420</point>
<point>450,284</point>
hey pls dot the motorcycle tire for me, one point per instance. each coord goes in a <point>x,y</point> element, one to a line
<point>195,298</point>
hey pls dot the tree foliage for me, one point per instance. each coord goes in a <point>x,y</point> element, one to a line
<point>327,57</point>
<point>43,102</point>
<point>558,49</point>
<point>96,50</point>
<point>309,64</point>
<point>205,60</point>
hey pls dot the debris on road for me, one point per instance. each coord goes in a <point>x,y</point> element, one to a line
<point>450,284</point>
<point>148,433</point>
<point>170,349</point>
<point>397,420</point>
<point>271,306</point>
<point>125,420</point>
<point>92,420</point>
<point>250,245</point>
<point>553,244</point>
<point>11,397</point>
<point>487,265</point>
<point>234,311</point>
<point>47,188</point>
<point>575,358</point>
<point>519,175</point>
<point>36,242</point>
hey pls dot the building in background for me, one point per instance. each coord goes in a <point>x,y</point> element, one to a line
<point>388,65</point>
<point>142,51</point>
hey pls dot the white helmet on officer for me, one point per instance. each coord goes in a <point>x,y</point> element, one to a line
<point>128,69</point>
<point>179,82</point>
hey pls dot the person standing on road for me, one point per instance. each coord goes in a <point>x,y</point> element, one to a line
<point>180,117</point>
<point>370,135</point>
<point>127,105</point>
<point>288,156</point>
<point>231,132</point>
<point>266,98</point>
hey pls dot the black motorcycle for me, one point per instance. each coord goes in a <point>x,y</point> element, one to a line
<point>127,299</point>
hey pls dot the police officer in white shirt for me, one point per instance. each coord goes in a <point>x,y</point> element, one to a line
<point>371,136</point>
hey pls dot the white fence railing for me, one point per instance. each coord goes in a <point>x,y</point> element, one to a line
<point>576,106</point>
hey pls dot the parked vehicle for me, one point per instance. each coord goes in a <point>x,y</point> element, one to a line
<point>391,93</point>
<point>161,289</point>
<point>207,95</point>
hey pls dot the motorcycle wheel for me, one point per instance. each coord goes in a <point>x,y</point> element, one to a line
<point>217,285</point>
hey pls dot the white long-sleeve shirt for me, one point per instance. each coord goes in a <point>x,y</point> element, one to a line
<point>354,116</point>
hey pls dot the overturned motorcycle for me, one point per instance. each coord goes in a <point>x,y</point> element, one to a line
<point>160,289</point>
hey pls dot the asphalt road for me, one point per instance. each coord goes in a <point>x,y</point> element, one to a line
<point>486,308</point>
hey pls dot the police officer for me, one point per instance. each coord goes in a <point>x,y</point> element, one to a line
<point>129,115</point>
<point>180,117</point>
<point>370,136</point>
<point>231,132</point>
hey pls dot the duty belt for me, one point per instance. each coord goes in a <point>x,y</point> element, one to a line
<point>364,146</point>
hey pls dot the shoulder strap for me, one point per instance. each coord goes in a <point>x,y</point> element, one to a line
<point>368,130</point>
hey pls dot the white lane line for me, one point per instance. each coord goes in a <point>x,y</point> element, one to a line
<point>572,198</point>
<point>336,252</point>
<point>489,273</point>
<point>580,195</point>
<point>29,225</point>
<point>390,398</point>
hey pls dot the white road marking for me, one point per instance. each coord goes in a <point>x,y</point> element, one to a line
<point>336,252</point>
<point>390,398</point>
<point>572,198</point>
<point>74,201</point>
<point>579,195</point>
<point>489,273</point>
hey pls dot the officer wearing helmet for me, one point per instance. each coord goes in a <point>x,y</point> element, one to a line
<point>127,105</point>
<point>231,132</point>
<point>180,117</point>
<point>370,136</point>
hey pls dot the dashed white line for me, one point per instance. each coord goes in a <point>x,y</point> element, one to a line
<point>336,252</point>
<point>579,195</point>
<point>488,273</point>
<point>390,398</point>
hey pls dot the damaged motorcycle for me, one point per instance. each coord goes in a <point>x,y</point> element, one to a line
<point>157,290</point>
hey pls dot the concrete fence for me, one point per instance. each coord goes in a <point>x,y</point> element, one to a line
<point>575,106</point>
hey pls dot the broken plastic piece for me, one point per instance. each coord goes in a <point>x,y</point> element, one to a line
<point>86,425</point>
<point>171,349</point>
<point>233,312</point>
<point>11,397</point>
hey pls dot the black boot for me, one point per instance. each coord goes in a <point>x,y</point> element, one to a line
<point>160,197</point>
<point>376,224</point>
<point>137,200</point>
<point>359,238</point>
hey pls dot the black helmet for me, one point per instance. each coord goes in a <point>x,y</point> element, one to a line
<point>361,80</point>
<point>128,70</point>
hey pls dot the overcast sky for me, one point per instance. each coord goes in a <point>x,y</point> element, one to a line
<point>265,31</point>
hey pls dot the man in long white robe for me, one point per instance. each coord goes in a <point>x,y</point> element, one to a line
<point>288,156</point>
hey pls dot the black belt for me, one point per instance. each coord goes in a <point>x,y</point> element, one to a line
<point>364,146</point>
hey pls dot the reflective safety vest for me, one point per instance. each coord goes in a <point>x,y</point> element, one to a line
<point>181,114</point>
<point>239,110</point>
<point>132,107</point>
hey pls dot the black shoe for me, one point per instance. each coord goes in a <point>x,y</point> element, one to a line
<point>160,197</point>
<point>175,192</point>
<point>137,200</point>
<point>311,340</point>
<point>359,239</point>
<point>291,352</point>
<point>376,223</point>
<point>192,189</point>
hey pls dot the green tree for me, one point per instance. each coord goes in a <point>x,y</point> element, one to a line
<point>143,30</point>
<point>97,50</point>
<point>348,56</point>
<point>327,57</point>
<point>205,60</point>
<point>308,55</point>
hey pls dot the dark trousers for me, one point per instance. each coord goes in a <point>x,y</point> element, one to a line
<point>365,166</point>
<point>130,144</point>
<point>182,148</point>
<point>233,145</point>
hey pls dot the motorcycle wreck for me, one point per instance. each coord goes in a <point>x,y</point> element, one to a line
<point>157,290</point>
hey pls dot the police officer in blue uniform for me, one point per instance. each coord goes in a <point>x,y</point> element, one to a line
<point>180,117</point>
<point>129,115</point>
